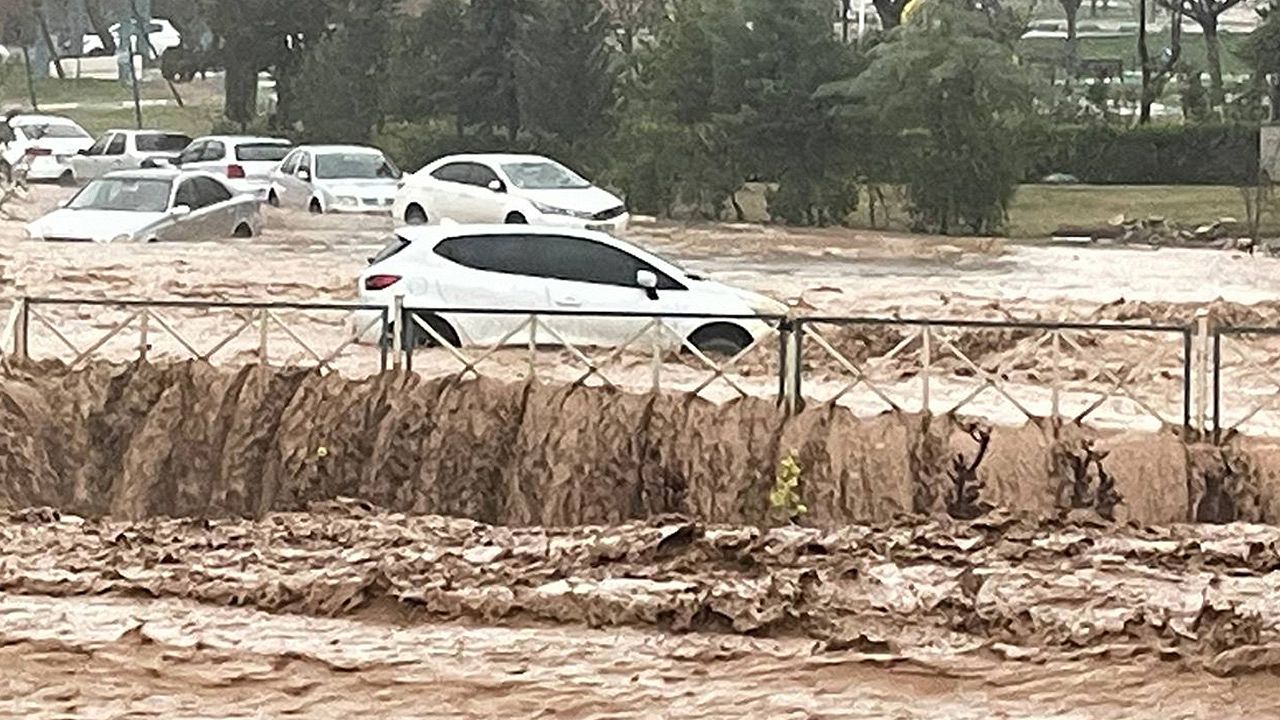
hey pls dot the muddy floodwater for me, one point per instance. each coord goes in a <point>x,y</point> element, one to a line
<point>257,602</point>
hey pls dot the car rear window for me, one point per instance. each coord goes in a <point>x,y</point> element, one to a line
<point>36,131</point>
<point>162,142</point>
<point>262,152</point>
<point>395,245</point>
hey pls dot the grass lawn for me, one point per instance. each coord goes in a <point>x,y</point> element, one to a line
<point>1038,210</point>
<point>193,120</point>
<point>1126,49</point>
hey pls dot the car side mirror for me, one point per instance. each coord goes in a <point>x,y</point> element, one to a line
<point>647,280</point>
<point>497,186</point>
<point>180,211</point>
<point>304,175</point>
<point>82,151</point>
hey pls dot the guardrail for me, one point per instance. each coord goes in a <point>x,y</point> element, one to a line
<point>1070,372</point>
<point>1246,385</point>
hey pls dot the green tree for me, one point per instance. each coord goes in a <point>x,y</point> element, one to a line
<point>427,63</point>
<point>951,96</point>
<point>489,94</point>
<point>1262,51</point>
<point>337,91</point>
<point>566,73</point>
<point>1206,14</point>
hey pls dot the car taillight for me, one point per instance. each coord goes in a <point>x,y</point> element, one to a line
<point>380,282</point>
<point>235,172</point>
<point>33,152</point>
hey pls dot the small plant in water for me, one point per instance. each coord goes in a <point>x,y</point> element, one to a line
<point>784,499</point>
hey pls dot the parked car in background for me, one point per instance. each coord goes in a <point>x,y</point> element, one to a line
<point>149,205</point>
<point>161,34</point>
<point>335,178</point>
<point>546,268</point>
<point>515,189</point>
<point>245,162</point>
<point>44,144</point>
<point>127,150</point>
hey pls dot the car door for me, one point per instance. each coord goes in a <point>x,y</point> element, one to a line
<point>281,176</point>
<point>90,164</point>
<point>114,158</point>
<point>589,276</point>
<point>194,225</point>
<point>490,271</point>
<point>480,202</point>
<point>297,183</point>
<point>214,158</point>
<point>444,192</point>
<point>189,158</point>
<point>216,218</point>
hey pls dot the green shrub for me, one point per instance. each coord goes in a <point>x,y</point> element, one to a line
<point>1221,154</point>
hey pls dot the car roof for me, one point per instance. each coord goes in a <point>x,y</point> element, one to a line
<point>319,149</point>
<point>160,173</point>
<point>145,131</point>
<point>498,158</point>
<point>428,236</point>
<point>244,139</point>
<point>34,118</point>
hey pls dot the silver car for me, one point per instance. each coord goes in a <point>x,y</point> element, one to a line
<point>127,150</point>
<point>151,205</point>
<point>335,179</point>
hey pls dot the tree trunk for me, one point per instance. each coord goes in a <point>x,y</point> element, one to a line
<point>1213,53</point>
<point>890,12</point>
<point>241,90</point>
<point>100,27</point>
<point>1072,9</point>
<point>1144,59</point>
<point>48,41</point>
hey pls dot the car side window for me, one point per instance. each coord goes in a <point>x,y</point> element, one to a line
<point>210,191</point>
<point>213,151</point>
<point>453,172</point>
<point>480,176</point>
<point>552,257</point>
<point>187,195</point>
<point>100,146</point>
<point>290,164</point>
<point>116,146</point>
<point>304,161</point>
<point>193,153</point>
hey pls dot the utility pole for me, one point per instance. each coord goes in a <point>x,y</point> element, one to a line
<point>31,83</point>
<point>844,21</point>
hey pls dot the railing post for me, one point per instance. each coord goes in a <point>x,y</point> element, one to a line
<point>533,347</point>
<point>656,334</point>
<point>791,370</point>
<point>1202,372</point>
<point>926,362</point>
<point>1217,386</point>
<point>385,330</point>
<point>398,337</point>
<point>142,334</point>
<point>21,327</point>
<point>263,317</point>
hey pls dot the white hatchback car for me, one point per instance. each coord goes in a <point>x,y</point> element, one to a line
<point>246,162</point>
<point>512,189</point>
<point>45,145</point>
<point>127,150</point>
<point>540,269</point>
<point>335,178</point>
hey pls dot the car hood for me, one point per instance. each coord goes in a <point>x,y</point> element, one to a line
<point>359,188</point>
<point>95,225</point>
<point>762,304</point>
<point>591,199</point>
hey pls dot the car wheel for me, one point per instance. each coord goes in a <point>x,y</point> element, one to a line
<point>315,208</point>
<point>516,218</point>
<point>415,215</point>
<point>720,339</point>
<point>418,337</point>
<point>272,199</point>
<point>242,231</point>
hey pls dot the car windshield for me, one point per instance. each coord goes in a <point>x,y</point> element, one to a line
<point>39,131</point>
<point>262,152</point>
<point>355,166</point>
<point>544,175</point>
<point>162,142</point>
<point>130,194</point>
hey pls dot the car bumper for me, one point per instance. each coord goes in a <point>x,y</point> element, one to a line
<point>366,206</point>
<point>612,225</point>
<point>47,167</point>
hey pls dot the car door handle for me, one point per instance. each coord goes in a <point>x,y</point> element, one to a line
<point>569,301</point>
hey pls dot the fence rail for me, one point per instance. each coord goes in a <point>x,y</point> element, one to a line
<point>1198,378</point>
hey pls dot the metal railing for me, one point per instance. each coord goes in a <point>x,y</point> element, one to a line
<point>1246,384</point>
<point>927,368</point>
<point>1066,371</point>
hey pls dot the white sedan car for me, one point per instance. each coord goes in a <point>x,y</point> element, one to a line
<point>512,189</point>
<point>150,205</point>
<point>45,145</point>
<point>244,162</point>
<point>335,178</point>
<point>127,150</point>
<point>455,267</point>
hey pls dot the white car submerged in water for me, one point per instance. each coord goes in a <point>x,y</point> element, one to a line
<point>335,179</point>
<point>513,189</point>
<point>553,269</point>
<point>150,205</point>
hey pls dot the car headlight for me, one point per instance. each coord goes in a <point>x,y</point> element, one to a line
<point>553,210</point>
<point>347,200</point>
